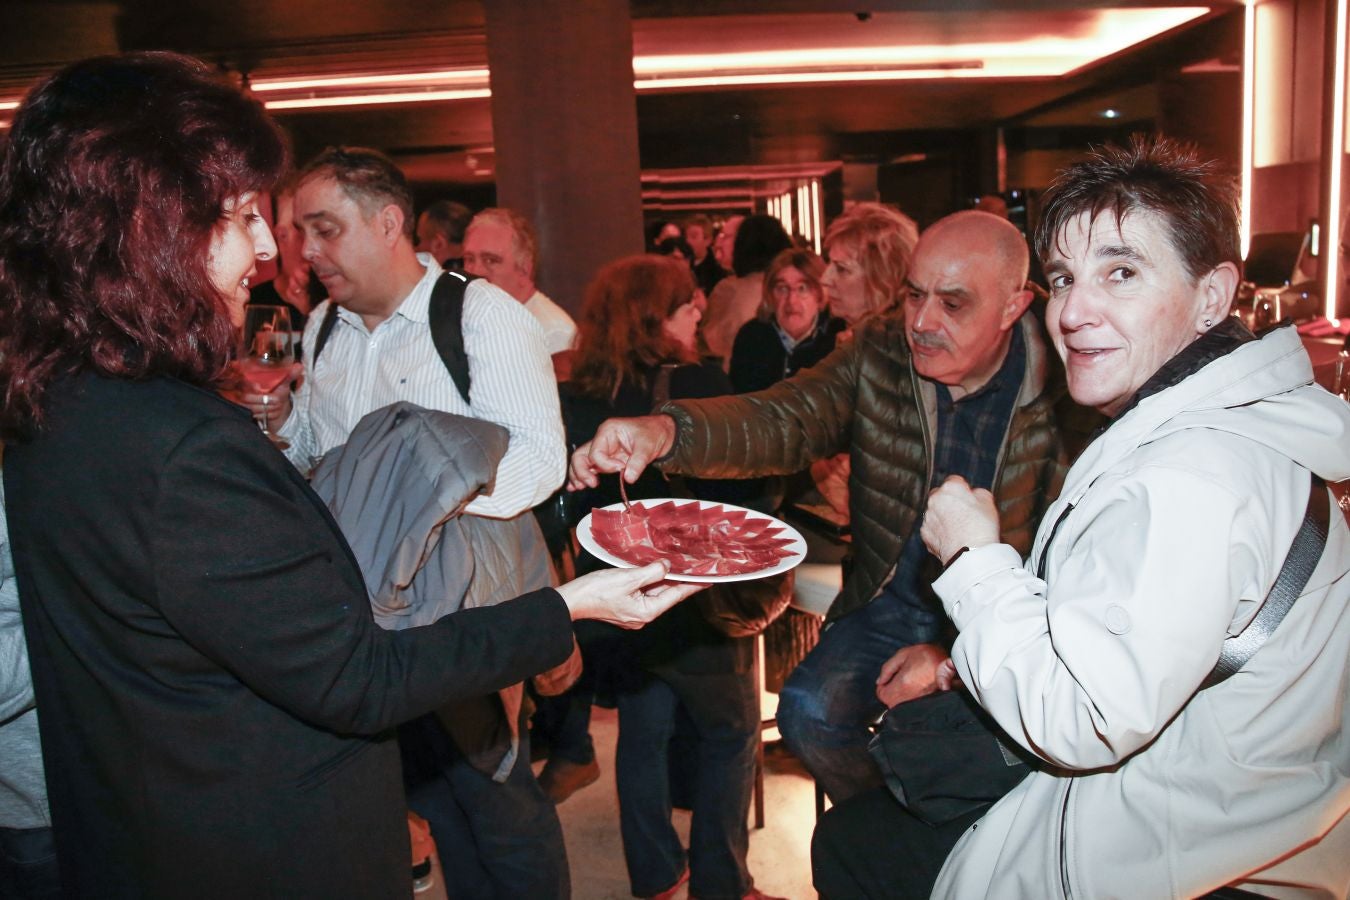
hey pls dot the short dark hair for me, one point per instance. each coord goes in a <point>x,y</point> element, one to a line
<point>675,247</point>
<point>451,219</point>
<point>759,239</point>
<point>370,178</point>
<point>112,183</point>
<point>1197,202</point>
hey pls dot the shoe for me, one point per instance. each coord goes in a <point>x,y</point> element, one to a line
<point>670,892</point>
<point>561,779</point>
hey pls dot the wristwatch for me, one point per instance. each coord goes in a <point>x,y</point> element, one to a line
<point>954,557</point>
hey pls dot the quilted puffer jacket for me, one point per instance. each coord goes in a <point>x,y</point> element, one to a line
<point>866,398</point>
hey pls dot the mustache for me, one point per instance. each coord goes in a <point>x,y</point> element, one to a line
<point>928,340</point>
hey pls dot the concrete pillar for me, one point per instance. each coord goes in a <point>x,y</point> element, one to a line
<point>564,122</point>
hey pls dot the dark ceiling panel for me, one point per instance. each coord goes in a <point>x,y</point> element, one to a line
<point>705,127</point>
<point>207,26</point>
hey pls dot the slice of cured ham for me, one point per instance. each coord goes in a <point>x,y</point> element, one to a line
<point>695,539</point>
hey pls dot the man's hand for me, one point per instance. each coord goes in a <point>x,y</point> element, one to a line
<point>911,673</point>
<point>957,517</point>
<point>275,405</point>
<point>621,445</point>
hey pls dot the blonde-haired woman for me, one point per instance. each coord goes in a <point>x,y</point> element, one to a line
<point>869,249</point>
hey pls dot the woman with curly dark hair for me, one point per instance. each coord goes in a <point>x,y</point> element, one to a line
<point>214,694</point>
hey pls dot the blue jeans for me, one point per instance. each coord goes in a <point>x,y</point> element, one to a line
<point>28,864</point>
<point>494,840</point>
<point>724,709</point>
<point>829,700</point>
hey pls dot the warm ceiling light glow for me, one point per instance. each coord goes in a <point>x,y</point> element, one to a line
<point>1037,56</point>
<point>1248,122</point>
<point>815,211</point>
<point>711,194</point>
<point>472,78</point>
<point>1113,30</point>
<point>765,79</point>
<point>1333,157</point>
<point>374,99</point>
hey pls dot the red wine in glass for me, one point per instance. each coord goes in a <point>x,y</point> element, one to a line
<point>266,354</point>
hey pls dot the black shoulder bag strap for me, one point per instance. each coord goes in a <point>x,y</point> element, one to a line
<point>325,329</point>
<point>1298,567</point>
<point>445,311</point>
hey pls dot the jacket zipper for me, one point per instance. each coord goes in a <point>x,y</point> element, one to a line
<point>923,427</point>
<point>928,458</point>
<point>1045,548</point>
<point>1018,406</point>
<point>1064,843</point>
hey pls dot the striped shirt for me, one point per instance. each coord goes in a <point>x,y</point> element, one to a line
<point>512,384</point>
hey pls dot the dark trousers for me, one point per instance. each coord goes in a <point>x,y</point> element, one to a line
<point>724,710</point>
<point>830,699</point>
<point>494,840</point>
<point>28,864</point>
<point>563,722</point>
<point>869,846</point>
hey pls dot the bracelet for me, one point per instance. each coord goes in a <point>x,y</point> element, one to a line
<point>955,556</point>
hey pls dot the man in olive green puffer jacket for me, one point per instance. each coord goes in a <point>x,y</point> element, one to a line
<point>956,385</point>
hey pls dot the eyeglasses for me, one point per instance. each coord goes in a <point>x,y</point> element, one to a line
<point>781,289</point>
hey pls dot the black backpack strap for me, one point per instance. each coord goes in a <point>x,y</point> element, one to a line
<point>325,329</point>
<point>1298,567</point>
<point>446,312</point>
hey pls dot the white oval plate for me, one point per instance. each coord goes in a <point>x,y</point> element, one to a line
<point>797,548</point>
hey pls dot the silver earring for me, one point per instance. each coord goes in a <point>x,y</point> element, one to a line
<point>1209,322</point>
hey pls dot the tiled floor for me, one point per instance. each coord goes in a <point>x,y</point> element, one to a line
<point>779,853</point>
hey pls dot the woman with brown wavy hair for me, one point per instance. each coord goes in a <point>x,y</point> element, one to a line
<point>213,692</point>
<point>637,347</point>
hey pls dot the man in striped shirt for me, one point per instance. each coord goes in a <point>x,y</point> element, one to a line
<point>354,209</point>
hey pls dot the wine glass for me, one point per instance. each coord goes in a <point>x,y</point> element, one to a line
<point>266,353</point>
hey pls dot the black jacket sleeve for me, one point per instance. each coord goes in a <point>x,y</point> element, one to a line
<point>252,571</point>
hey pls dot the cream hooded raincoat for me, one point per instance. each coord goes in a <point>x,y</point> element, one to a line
<point>1169,532</point>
